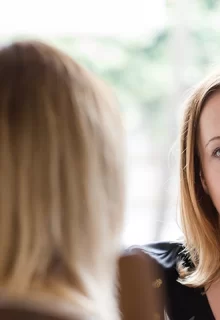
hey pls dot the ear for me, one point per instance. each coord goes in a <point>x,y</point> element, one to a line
<point>203,181</point>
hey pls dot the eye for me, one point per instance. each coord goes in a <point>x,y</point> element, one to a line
<point>216,153</point>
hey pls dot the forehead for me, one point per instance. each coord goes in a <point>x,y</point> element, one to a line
<point>209,123</point>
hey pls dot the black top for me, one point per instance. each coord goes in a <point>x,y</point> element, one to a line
<point>183,303</point>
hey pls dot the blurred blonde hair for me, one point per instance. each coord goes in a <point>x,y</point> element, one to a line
<point>61,180</point>
<point>200,219</point>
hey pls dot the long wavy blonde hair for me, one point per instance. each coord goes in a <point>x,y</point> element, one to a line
<point>61,180</point>
<point>200,219</point>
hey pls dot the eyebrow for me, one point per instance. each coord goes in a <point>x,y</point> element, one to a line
<point>212,139</point>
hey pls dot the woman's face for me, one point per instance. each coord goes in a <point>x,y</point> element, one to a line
<point>209,148</point>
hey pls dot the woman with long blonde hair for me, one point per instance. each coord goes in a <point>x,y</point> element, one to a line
<point>61,184</point>
<point>191,269</point>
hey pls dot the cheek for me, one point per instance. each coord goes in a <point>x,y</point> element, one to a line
<point>212,179</point>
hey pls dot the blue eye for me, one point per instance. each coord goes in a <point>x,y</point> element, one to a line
<point>216,153</point>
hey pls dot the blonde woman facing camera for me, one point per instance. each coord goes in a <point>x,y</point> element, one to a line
<point>191,270</point>
<point>61,186</point>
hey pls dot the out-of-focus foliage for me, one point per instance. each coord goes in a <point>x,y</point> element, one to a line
<point>140,69</point>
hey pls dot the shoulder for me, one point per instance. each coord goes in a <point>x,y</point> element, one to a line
<point>165,257</point>
<point>149,271</point>
<point>139,276</point>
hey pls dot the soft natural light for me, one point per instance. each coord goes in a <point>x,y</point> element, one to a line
<point>102,17</point>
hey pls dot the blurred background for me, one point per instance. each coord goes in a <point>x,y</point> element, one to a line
<point>151,53</point>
